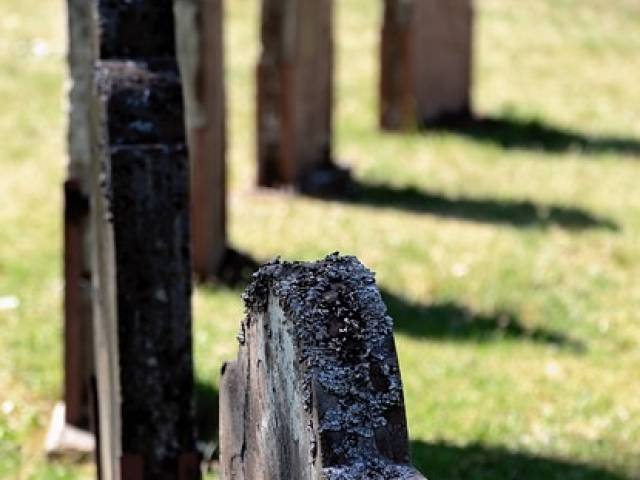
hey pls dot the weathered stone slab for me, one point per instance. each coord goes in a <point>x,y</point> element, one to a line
<point>143,273</point>
<point>295,97</point>
<point>397,98</point>
<point>444,59</point>
<point>199,27</point>
<point>316,391</point>
<point>426,72</point>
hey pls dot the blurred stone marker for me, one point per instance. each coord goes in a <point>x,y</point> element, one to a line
<point>295,98</point>
<point>199,36</point>
<point>426,62</point>
<point>142,267</point>
<point>316,391</point>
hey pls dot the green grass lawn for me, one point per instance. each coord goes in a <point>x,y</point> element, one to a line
<point>508,254</point>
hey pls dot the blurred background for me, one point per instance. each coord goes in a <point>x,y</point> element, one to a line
<point>508,252</point>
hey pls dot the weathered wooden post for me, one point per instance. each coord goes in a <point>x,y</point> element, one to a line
<point>200,54</point>
<point>141,261</point>
<point>295,98</point>
<point>426,62</point>
<point>315,392</point>
<point>70,420</point>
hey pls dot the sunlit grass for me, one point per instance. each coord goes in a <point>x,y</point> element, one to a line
<point>511,267</point>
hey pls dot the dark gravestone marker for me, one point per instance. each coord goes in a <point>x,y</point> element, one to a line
<point>136,29</point>
<point>142,272</point>
<point>144,362</point>
<point>295,97</point>
<point>316,390</point>
<point>426,62</point>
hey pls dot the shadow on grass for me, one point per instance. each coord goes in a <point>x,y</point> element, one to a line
<point>513,133</point>
<point>451,321</point>
<point>478,462</point>
<point>207,403</point>
<point>235,270</point>
<point>516,213</point>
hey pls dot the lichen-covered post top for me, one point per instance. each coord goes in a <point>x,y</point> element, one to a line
<point>323,348</point>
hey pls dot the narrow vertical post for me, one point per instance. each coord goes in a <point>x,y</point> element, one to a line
<point>426,62</point>
<point>141,260</point>
<point>295,98</point>
<point>397,99</point>
<point>316,391</point>
<point>78,341</point>
<point>68,430</point>
<point>200,50</point>
<point>77,291</point>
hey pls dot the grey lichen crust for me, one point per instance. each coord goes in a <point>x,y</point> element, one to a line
<point>371,470</point>
<point>346,357</point>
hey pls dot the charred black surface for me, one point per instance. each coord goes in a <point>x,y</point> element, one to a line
<point>151,227</point>
<point>143,102</point>
<point>76,203</point>
<point>144,171</point>
<point>136,29</point>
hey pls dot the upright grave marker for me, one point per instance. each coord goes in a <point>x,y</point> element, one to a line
<point>200,53</point>
<point>78,352</point>
<point>315,392</point>
<point>426,62</point>
<point>295,97</point>
<point>142,268</point>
